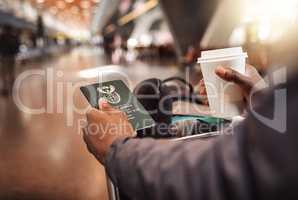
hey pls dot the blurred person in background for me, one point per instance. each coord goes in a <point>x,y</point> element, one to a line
<point>191,56</point>
<point>9,48</point>
<point>257,161</point>
<point>40,32</point>
<point>108,45</point>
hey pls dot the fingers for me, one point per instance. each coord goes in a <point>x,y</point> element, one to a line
<point>231,75</point>
<point>108,109</point>
<point>103,105</point>
<point>226,74</point>
<point>94,114</point>
<point>202,88</point>
<point>105,108</point>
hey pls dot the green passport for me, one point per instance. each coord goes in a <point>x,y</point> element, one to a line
<point>119,96</point>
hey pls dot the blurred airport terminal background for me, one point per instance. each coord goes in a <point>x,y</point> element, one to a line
<point>42,155</point>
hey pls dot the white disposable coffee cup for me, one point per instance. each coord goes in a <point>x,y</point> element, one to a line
<point>225,99</point>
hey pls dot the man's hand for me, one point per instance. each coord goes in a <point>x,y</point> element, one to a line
<point>104,127</point>
<point>245,82</point>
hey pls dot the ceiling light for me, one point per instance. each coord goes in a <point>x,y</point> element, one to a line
<point>53,10</point>
<point>69,1</point>
<point>40,1</point>
<point>74,9</point>
<point>96,1</point>
<point>85,4</point>
<point>61,5</point>
<point>271,17</point>
<point>86,13</point>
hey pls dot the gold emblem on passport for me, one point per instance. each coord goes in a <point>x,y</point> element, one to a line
<point>109,94</point>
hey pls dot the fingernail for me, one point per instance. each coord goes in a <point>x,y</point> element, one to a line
<point>220,70</point>
<point>103,103</point>
<point>101,100</point>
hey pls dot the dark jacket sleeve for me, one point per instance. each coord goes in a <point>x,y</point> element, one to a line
<point>255,162</point>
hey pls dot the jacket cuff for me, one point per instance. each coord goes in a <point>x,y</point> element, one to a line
<point>110,161</point>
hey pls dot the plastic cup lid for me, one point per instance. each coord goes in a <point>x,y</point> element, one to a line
<point>221,57</point>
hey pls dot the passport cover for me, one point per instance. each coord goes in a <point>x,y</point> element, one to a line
<point>118,95</point>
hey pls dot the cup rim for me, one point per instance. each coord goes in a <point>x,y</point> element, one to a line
<point>221,58</point>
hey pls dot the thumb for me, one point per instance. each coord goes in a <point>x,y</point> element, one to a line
<point>104,105</point>
<point>231,75</point>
